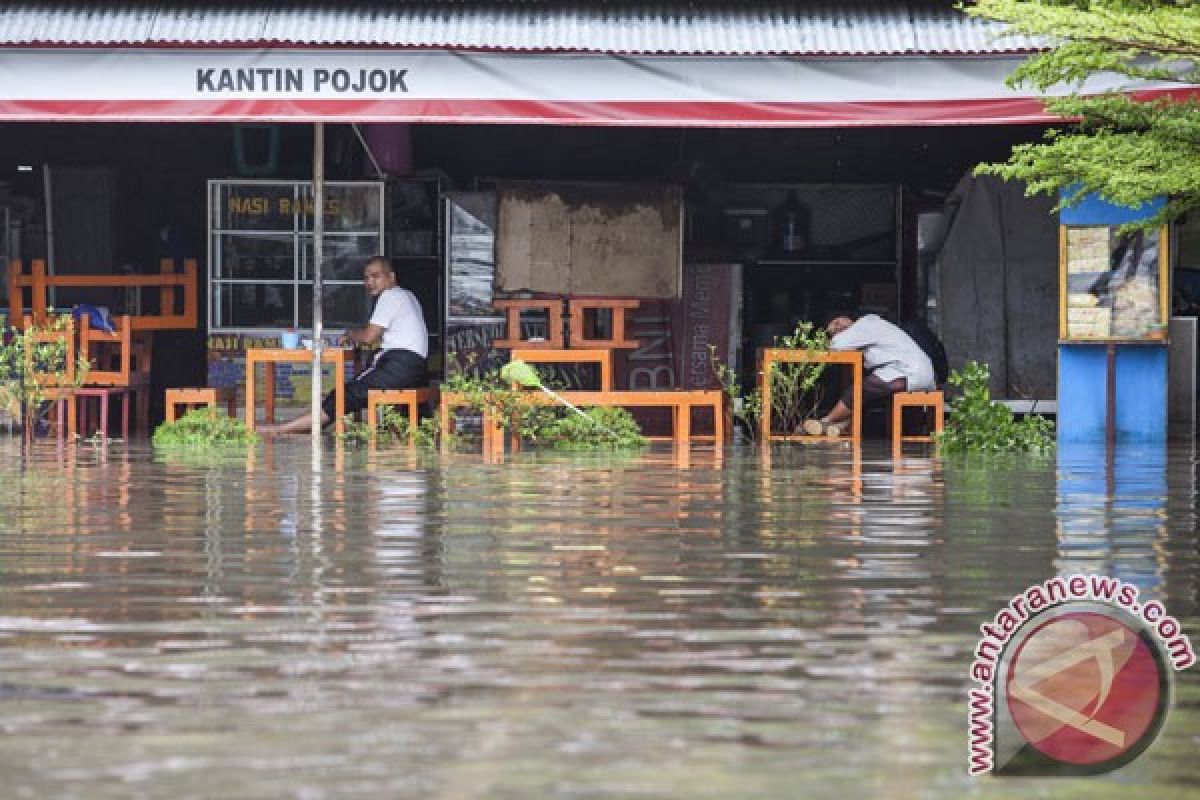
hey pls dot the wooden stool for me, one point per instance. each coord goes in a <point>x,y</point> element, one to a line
<point>903,400</point>
<point>199,397</point>
<point>399,397</point>
<point>512,310</point>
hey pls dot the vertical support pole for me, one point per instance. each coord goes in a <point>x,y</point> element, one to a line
<point>318,288</point>
<point>1110,388</point>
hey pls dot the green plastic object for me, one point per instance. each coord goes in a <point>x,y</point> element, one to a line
<point>520,372</point>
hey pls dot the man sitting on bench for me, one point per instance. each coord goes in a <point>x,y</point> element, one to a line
<point>893,361</point>
<point>396,322</point>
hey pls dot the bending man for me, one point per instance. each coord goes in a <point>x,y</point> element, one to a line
<point>398,324</point>
<point>893,361</point>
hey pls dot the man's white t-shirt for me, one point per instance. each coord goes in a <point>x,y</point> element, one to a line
<point>399,314</point>
<point>887,351</point>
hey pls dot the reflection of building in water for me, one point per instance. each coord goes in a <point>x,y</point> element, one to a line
<point>1112,513</point>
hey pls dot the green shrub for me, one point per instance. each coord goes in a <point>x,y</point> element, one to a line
<point>393,428</point>
<point>977,424</point>
<point>203,427</point>
<point>31,369</point>
<point>600,428</point>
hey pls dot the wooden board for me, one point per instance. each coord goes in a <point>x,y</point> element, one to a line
<point>619,240</point>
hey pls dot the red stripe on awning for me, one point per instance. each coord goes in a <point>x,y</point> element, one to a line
<point>1007,110</point>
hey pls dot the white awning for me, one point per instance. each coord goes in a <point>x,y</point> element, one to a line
<point>306,85</point>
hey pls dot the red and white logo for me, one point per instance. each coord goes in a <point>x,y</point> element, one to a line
<point>1074,677</point>
<point>1085,689</point>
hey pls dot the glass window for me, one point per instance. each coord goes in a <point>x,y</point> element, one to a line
<point>255,207</point>
<point>261,253</point>
<point>261,256</point>
<point>254,305</point>
<point>1112,283</point>
<point>348,209</point>
<point>345,256</point>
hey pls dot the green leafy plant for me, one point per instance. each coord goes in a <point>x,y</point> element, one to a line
<point>977,424</point>
<point>201,428</point>
<point>34,366</point>
<point>393,428</point>
<point>519,411</point>
<point>601,428</point>
<point>795,387</point>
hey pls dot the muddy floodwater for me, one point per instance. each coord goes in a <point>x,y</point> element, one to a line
<point>401,625</point>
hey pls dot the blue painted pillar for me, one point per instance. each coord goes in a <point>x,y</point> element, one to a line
<point>1141,392</point>
<point>1139,367</point>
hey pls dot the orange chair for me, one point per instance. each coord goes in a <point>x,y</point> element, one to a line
<point>120,365</point>
<point>199,397</point>
<point>903,400</point>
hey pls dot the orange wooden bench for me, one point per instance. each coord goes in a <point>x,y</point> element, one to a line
<point>681,402</point>
<point>410,398</point>
<point>188,397</point>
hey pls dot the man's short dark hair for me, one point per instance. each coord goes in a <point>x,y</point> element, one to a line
<point>383,261</point>
<point>832,315</point>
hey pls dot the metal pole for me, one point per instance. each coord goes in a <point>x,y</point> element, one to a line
<point>1110,393</point>
<point>318,230</point>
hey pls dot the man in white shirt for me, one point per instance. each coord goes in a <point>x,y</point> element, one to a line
<point>893,361</point>
<point>398,325</point>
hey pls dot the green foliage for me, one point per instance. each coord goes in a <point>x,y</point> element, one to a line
<point>1127,150</point>
<point>795,388</point>
<point>603,428</point>
<point>31,368</point>
<point>203,428</point>
<point>977,424</point>
<point>539,424</point>
<point>393,428</point>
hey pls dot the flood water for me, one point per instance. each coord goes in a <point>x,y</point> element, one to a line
<point>406,625</point>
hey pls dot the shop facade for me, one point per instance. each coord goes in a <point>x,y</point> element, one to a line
<point>802,159</point>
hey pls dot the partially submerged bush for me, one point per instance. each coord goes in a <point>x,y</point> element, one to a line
<point>977,424</point>
<point>204,427</point>
<point>542,425</point>
<point>600,428</point>
<point>34,365</point>
<point>393,428</point>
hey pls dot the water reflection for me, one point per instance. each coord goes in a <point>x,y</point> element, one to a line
<point>1112,513</point>
<point>404,624</point>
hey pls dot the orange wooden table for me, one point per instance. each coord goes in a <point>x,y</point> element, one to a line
<point>769,356</point>
<point>600,356</point>
<point>270,356</point>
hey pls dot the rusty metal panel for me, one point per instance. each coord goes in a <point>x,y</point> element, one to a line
<point>589,239</point>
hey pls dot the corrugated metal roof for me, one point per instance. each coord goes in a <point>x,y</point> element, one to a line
<point>745,28</point>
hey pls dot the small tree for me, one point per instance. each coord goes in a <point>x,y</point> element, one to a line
<point>1127,149</point>
<point>36,365</point>
<point>795,387</point>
